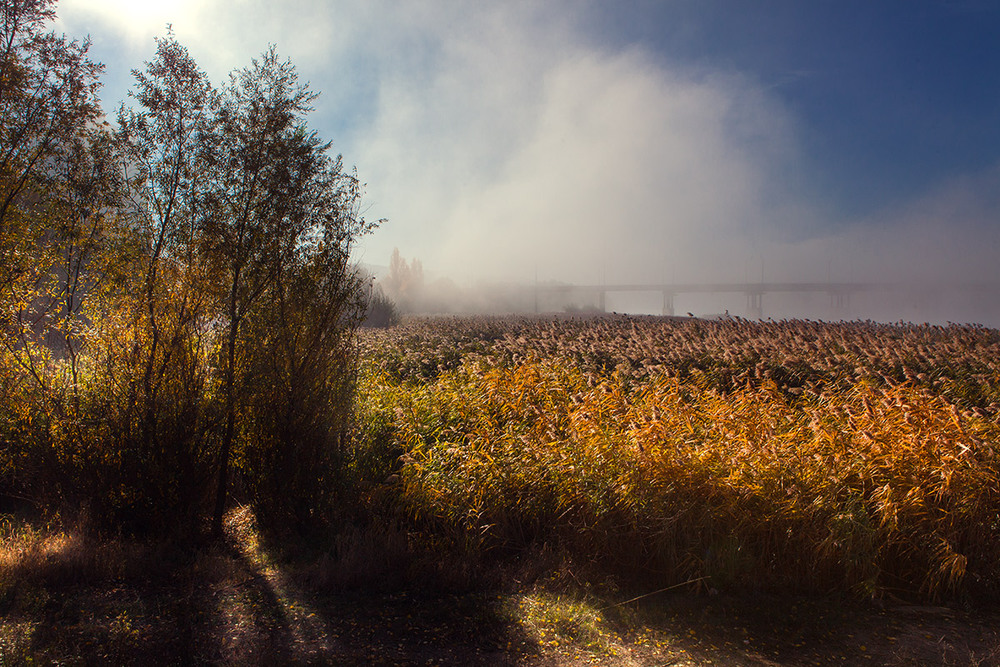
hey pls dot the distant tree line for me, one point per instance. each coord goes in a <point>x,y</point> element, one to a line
<point>177,304</point>
<point>406,288</point>
<point>405,281</point>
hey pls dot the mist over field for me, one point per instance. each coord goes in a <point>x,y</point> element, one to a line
<point>605,190</point>
<point>615,167</point>
<point>682,142</point>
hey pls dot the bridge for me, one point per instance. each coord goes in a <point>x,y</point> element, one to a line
<point>840,292</point>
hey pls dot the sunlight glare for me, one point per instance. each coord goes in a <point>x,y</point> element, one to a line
<point>137,19</point>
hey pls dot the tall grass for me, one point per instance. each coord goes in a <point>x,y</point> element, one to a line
<point>851,485</point>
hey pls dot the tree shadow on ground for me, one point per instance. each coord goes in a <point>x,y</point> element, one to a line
<point>84,603</point>
<point>761,629</point>
<point>367,601</point>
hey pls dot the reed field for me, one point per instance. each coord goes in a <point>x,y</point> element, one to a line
<point>789,457</point>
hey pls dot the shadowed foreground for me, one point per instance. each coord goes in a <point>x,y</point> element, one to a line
<point>71,600</point>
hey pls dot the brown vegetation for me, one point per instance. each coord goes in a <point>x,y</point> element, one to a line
<point>177,306</point>
<point>178,325</point>
<point>791,456</point>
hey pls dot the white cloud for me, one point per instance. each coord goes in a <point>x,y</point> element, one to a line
<point>499,141</point>
<point>520,151</point>
<point>135,21</point>
<point>221,34</point>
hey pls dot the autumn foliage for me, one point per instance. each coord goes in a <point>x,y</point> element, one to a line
<point>792,456</point>
<point>178,324</point>
<point>176,299</point>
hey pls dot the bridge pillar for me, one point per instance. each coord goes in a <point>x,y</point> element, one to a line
<point>840,302</point>
<point>755,309</point>
<point>668,303</point>
<point>602,300</point>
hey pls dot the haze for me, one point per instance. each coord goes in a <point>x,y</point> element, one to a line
<point>641,142</point>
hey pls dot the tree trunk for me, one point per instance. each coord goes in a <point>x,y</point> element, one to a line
<point>227,437</point>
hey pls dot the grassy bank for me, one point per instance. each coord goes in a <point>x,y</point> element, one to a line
<point>786,457</point>
<point>370,596</point>
<point>604,491</point>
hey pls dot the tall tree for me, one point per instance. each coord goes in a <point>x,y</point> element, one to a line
<point>215,227</point>
<point>48,100</point>
<point>165,137</point>
<point>164,134</point>
<point>405,281</point>
<point>277,203</point>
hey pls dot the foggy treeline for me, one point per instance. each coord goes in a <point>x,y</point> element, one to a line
<point>405,284</point>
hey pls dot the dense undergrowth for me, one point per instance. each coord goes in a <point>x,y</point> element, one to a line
<point>531,491</point>
<point>789,457</point>
<point>177,300</point>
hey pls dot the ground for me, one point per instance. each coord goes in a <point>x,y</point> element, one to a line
<point>68,600</point>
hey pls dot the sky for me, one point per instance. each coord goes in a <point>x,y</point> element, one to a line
<point>634,141</point>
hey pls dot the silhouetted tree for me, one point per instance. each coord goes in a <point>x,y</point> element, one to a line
<point>175,293</point>
<point>280,218</point>
<point>171,294</point>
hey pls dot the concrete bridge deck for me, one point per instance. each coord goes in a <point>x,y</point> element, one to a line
<point>839,292</point>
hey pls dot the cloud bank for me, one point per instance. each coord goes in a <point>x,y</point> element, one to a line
<point>503,143</point>
<point>520,152</point>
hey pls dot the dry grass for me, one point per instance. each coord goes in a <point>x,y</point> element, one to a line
<point>521,482</point>
<point>849,484</point>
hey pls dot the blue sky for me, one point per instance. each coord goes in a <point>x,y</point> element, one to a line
<point>893,96</point>
<point>626,141</point>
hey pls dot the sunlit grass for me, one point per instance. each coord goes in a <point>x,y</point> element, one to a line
<point>555,620</point>
<point>15,641</point>
<point>859,485</point>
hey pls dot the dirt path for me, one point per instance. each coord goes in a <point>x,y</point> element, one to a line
<point>64,600</point>
<point>225,613</point>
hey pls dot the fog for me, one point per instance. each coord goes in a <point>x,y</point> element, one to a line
<point>525,158</point>
<point>519,145</point>
<point>634,173</point>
